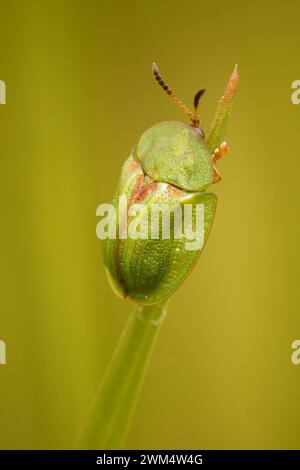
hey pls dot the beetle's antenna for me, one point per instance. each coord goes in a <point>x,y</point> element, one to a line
<point>196,119</point>
<point>172,95</point>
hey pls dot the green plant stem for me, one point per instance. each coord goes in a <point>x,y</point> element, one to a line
<point>109,420</point>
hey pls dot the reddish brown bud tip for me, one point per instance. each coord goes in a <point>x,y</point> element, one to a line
<point>232,86</point>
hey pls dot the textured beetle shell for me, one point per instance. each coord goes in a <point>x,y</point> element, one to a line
<point>175,152</point>
<point>150,270</point>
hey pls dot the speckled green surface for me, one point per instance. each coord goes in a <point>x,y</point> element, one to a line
<point>150,270</point>
<point>175,153</point>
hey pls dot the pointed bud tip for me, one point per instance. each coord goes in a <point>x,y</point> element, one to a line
<point>235,76</point>
<point>154,68</point>
<point>232,85</point>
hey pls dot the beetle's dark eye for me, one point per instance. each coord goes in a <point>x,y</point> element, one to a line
<point>201,132</point>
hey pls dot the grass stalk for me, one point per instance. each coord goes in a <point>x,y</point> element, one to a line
<point>110,417</point>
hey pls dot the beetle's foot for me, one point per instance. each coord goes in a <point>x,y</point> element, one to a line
<point>218,153</point>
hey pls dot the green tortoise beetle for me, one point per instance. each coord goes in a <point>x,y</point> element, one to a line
<point>171,165</point>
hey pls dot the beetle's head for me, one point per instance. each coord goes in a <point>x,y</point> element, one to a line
<point>175,152</point>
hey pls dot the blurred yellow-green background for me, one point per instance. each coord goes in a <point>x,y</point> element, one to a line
<point>79,94</point>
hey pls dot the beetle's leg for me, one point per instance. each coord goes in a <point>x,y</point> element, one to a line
<point>219,152</point>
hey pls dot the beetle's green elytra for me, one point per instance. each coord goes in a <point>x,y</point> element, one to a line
<point>171,165</point>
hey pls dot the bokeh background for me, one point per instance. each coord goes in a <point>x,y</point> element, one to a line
<point>79,94</point>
